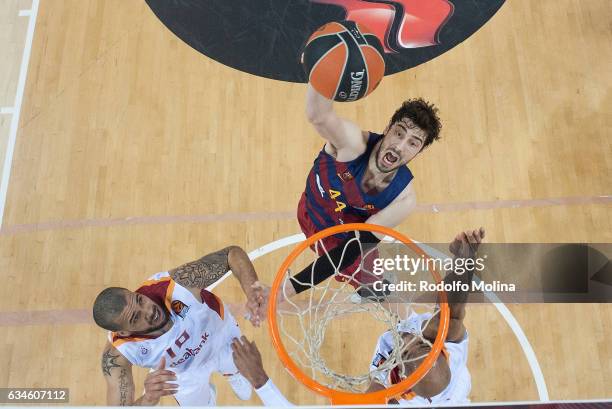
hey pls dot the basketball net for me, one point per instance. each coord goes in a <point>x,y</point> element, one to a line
<point>301,325</point>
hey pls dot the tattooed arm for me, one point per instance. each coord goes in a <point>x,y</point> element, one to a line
<point>209,269</point>
<point>120,384</point>
<point>118,375</point>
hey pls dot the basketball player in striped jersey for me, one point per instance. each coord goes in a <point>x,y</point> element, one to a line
<point>447,381</point>
<point>362,177</point>
<point>172,324</point>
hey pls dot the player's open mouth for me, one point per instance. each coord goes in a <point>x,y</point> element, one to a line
<point>390,158</point>
<point>156,315</point>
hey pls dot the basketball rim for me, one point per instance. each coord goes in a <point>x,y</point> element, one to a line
<point>347,398</point>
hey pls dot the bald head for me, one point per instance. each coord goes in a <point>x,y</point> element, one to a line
<point>437,378</point>
<point>108,307</point>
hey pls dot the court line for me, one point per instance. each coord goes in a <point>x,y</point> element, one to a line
<point>532,360</point>
<point>290,215</point>
<point>23,73</point>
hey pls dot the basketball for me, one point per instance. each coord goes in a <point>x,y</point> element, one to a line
<point>344,61</point>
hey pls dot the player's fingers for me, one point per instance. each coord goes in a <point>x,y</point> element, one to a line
<point>482,233</point>
<point>162,372</point>
<point>470,236</point>
<point>154,387</point>
<point>170,386</point>
<point>245,347</point>
<point>255,349</point>
<point>235,345</point>
<point>254,321</point>
<point>170,392</point>
<point>163,378</point>
<point>162,386</point>
<point>238,347</point>
<point>162,363</point>
<point>477,236</point>
<point>253,307</point>
<point>157,378</point>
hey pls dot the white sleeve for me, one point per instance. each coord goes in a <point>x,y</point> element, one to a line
<point>271,396</point>
<point>381,354</point>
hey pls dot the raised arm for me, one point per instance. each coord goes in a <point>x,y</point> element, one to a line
<point>117,371</point>
<point>201,273</point>
<point>397,211</point>
<point>248,361</point>
<point>465,245</point>
<point>340,133</point>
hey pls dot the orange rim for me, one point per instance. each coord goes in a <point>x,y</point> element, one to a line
<point>337,397</point>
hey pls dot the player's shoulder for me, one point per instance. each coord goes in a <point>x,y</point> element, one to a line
<point>160,281</point>
<point>385,342</point>
<point>161,276</point>
<point>404,191</point>
<point>111,355</point>
<point>369,139</point>
<point>351,149</point>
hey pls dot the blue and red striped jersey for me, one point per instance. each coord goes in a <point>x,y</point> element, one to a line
<point>334,194</point>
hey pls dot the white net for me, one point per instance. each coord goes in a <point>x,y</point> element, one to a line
<point>331,330</point>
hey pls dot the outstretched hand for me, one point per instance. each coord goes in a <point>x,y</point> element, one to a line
<point>156,384</point>
<point>248,361</point>
<point>466,243</point>
<point>257,300</point>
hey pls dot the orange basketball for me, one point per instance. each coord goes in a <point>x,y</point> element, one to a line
<point>344,61</point>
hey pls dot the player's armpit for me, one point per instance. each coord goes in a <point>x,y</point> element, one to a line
<point>203,272</point>
<point>117,371</point>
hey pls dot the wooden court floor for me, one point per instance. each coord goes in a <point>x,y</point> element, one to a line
<point>134,154</point>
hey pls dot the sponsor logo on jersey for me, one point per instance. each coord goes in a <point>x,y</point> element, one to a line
<point>179,308</point>
<point>379,359</point>
<point>144,350</point>
<point>321,190</point>
<point>191,352</point>
<point>345,176</point>
<point>366,207</point>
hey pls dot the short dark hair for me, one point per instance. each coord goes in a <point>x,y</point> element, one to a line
<point>423,114</point>
<point>107,307</point>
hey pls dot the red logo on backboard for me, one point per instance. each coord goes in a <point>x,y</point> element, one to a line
<point>399,24</point>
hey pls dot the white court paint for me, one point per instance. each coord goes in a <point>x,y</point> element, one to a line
<point>23,73</point>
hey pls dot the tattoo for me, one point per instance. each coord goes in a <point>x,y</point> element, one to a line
<point>109,362</point>
<point>124,388</point>
<point>203,272</point>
